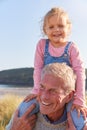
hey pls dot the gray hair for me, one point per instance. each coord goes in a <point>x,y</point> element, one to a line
<point>63,72</point>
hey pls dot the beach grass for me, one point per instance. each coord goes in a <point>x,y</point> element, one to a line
<point>8,105</point>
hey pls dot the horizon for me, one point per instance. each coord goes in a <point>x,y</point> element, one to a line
<point>22,68</point>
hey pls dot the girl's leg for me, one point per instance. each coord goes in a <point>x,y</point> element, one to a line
<point>79,122</point>
<point>25,105</point>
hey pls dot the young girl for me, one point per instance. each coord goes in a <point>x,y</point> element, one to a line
<point>57,48</point>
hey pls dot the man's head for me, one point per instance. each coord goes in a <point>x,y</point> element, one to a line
<point>56,89</point>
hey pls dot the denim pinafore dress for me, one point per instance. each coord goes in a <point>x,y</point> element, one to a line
<point>51,59</point>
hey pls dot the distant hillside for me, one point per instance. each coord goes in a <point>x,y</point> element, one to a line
<point>21,76</point>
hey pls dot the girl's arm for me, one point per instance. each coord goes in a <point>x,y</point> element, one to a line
<point>38,64</point>
<point>78,67</point>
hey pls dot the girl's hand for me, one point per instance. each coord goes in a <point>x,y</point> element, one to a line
<point>80,110</point>
<point>29,97</point>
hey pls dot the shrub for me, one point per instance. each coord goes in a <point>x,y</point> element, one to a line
<point>8,105</point>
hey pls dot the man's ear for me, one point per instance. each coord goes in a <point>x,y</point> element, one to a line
<point>69,96</point>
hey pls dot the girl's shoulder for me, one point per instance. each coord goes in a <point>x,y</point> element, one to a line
<point>74,45</point>
<point>74,48</point>
<point>41,43</point>
<point>40,47</point>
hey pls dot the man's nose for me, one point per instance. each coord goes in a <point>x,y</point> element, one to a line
<point>46,94</point>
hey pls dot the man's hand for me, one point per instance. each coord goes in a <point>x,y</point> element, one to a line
<point>70,125</point>
<point>29,97</point>
<point>85,127</point>
<point>24,122</point>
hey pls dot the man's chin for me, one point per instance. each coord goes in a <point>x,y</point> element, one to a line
<point>44,111</point>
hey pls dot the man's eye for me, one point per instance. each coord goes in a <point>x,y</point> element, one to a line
<point>53,91</point>
<point>41,87</point>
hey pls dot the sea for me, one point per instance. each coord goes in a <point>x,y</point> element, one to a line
<point>2,86</point>
<point>19,90</point>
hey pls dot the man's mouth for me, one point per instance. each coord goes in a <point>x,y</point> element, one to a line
<point>45,103</point>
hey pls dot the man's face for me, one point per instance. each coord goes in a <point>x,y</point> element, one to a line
<point>51,96</point>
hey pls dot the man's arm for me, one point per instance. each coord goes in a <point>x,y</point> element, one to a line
<point>24,122</point>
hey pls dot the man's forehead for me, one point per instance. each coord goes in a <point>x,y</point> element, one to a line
<point>51,80</point>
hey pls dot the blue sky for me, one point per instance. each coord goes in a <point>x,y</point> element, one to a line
<point>20,29</point>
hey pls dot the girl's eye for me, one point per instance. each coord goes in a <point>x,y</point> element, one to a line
<point>51,27</point>
<point>61,26</point>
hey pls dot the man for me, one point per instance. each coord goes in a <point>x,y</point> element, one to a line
<point>56,90</point>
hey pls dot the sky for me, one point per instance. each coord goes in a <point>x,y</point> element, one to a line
<point>20,29</point>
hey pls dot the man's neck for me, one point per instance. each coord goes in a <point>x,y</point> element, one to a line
<point>63,118</point>
<point>56,116</point>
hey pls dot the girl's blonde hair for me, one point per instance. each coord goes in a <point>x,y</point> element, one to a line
<point>60,12</point>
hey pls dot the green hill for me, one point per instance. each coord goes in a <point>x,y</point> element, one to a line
<point>21,76</point>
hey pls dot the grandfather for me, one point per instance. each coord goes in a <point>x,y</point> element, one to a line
<point>56,90</point>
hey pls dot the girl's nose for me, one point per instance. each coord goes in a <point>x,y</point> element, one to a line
<point>56,28</point>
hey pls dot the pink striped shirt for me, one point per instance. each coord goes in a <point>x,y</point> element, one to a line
<point>75,60</point>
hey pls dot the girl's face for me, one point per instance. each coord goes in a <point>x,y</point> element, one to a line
<point>57,30</point>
